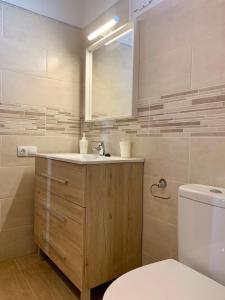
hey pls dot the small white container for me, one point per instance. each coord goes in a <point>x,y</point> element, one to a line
<point>125,149</point>
<point>83,145</point>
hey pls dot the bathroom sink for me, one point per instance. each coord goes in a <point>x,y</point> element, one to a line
<point>88,158</point>
<point>77,156</point>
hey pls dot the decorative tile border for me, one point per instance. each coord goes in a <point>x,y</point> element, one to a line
<point>189,113</point>
<point>61,122</point>
<point>24,120</point>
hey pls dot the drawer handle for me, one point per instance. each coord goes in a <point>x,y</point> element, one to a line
<point>55,214</point>
<point>59,180</point>
<point>57,250</point>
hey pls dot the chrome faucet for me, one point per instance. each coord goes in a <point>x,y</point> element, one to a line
<point>100,148</point>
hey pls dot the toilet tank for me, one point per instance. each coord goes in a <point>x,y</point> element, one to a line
<point>201,229</point>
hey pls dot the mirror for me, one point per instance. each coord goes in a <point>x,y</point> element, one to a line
<point>109,77</point>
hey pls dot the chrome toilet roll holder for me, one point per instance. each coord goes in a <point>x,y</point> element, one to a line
<point>162,184</point>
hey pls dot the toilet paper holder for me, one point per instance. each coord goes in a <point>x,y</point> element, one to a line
<point>162,184</point>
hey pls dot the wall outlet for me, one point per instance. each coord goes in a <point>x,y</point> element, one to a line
<point>22,151</point>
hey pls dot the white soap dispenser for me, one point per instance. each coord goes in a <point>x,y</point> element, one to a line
<point>84,145</point>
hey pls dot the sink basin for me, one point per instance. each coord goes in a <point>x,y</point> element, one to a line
<point>76,156</point>
<point>88,158</point>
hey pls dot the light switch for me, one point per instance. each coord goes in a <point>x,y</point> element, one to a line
<point>32,150</point>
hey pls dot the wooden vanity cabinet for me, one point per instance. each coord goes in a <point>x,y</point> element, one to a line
<point>88,219</point>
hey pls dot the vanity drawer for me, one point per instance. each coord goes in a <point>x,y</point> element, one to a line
<point>74,186</point>
<point>59,204</point>
<point>42,165</point>
<point>62,252</point>
<point>67,258</point>
<point>51,220</point>
<point>62,240</point>
<point>64,179</point>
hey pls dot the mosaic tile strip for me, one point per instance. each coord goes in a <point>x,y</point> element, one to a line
<point>60,122</point>
<point>189,113</point>
<point>24,120</point>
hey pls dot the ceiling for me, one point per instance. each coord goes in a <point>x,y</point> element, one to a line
<point>75,12</point>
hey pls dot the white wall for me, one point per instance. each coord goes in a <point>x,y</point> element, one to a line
<point>94,8</point>
<point>68,11</point>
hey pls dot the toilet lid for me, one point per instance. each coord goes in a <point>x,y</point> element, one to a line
<point>163,280</point>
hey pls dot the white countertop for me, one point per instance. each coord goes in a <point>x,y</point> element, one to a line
<point>86,159</point>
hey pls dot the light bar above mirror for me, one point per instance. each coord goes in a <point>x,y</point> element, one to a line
<point>99,32</point>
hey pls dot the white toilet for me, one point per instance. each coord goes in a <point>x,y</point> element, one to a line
<point>201,240</point>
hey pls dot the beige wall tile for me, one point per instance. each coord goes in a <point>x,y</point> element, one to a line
<point>182,23</point>
<point>13,180</point>
<point>21,183</point>
<point>16,212</point>
<point>169,158</point>
<point>38,31</point>
<point>166,73</point>
<point>16,197</point>
<point>159,239</point>
<point>1,90</point>
<point>0,150</point>
<point>45,144</point>
<point>1,14</point>
<point>207,161</point>
<point>27,89</point>
<point>17,208</point>
<point>208,62</point>
<point>64,66</point>
<point>14,56</point>
<point>171,32</point>
<point>141,147</point>
<point>61,144</point>
<point>16,242</point>
<point>208,19</point>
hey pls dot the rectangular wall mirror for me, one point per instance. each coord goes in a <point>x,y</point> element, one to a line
<point>110,89</point>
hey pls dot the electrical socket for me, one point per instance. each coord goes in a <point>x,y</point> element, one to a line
<point>22,151</point>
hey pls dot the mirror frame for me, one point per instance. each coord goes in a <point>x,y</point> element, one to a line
<point>135,67</point>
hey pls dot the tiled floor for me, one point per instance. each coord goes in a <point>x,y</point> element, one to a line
<point>30,278</point>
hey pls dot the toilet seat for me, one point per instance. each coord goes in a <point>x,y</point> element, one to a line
<point>165,280</point>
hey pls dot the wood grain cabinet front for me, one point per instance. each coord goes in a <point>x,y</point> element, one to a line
<point>88,219</point>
